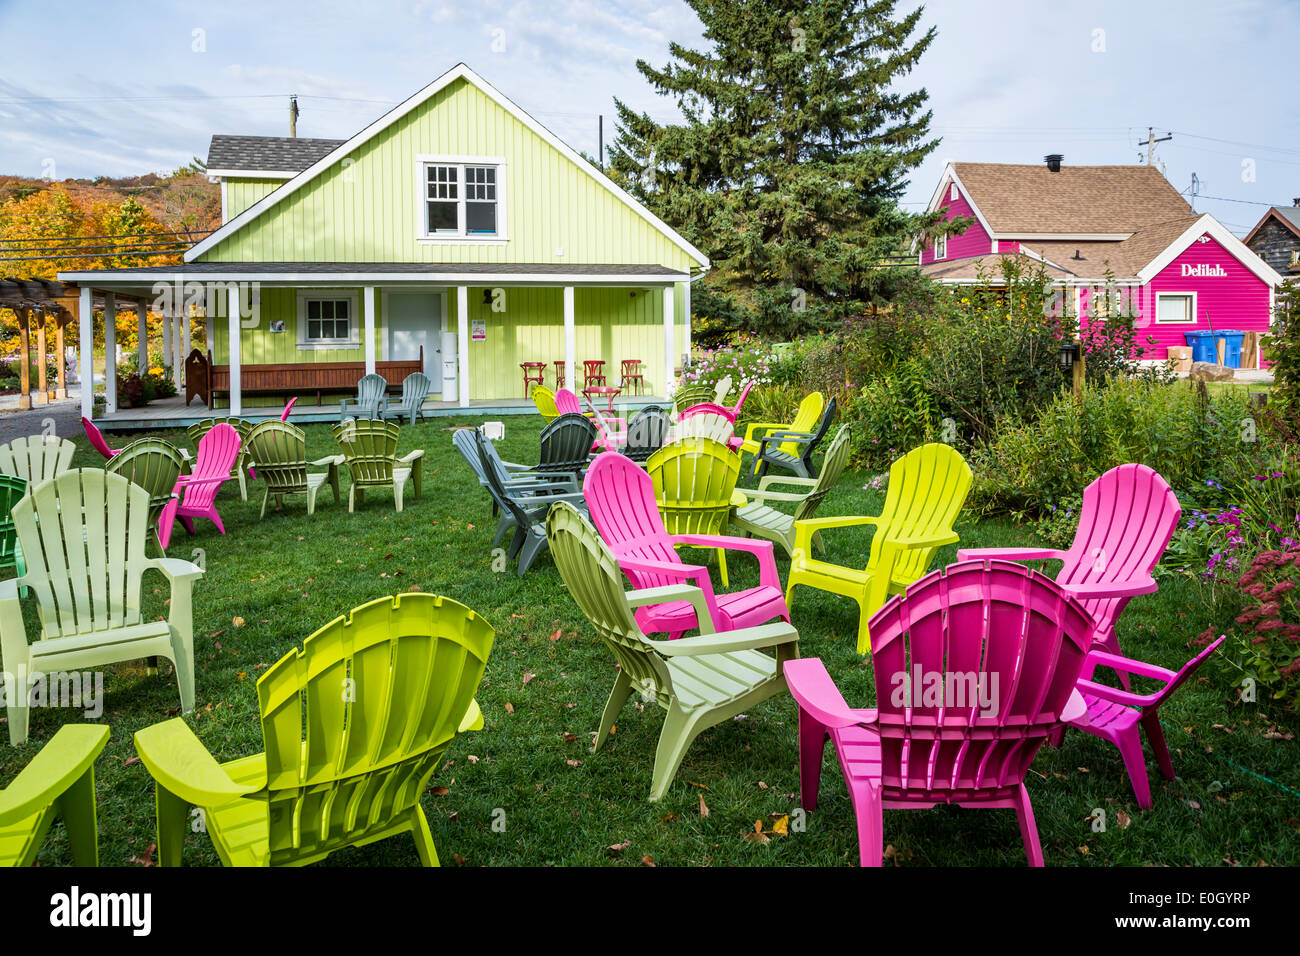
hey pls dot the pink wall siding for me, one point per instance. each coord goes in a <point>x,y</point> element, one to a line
<point>973,242</point>
<point>1237,299</point>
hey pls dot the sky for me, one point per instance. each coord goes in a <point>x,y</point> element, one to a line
<point>116,88</point>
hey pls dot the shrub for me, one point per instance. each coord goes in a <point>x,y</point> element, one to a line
<point>1265,645</point>
<point>1176,430</point>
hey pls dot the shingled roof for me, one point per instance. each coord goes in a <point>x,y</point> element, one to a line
<point>1020,200</point>
<point>281,154</point>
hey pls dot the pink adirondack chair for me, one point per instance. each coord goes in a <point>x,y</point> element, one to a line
<point>566,402</point>
<point>611,432</point>
<point>730,412</point>
<point>96,437</point>
<point>1127,518</point>
<point>288,408</point>
<point>621,499</point>
<point>975,665</point>
<point>1115,715</point>
<point>195,495</point>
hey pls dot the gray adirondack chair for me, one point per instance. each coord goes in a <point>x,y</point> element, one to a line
<point>805,443</point>
<point>566,445</point>
<point>415,389</point>
<point>760,520</point>
<point>371,400</point>
<point>513,477</point>
<point>646,433</point>
<point>527,509</point>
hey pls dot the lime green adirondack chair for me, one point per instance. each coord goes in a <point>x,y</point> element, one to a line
<point>700,681</point>
<point>688,395</point>
<point>370,452</point>
<point>36,458</point>
<point>761,520</point>
<point>354,724</point>
<point>12,491</point>
<point>83,537</point>
<point>59,782</point>
<point>154,464</point>
<point>927,488</point>
<point>544,399</point>
<point>242,427</point>
<point>278,451</point>
<point>805,419</point>
<point>694,481</point>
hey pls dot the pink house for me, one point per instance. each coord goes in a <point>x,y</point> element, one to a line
<point>1105,234</point>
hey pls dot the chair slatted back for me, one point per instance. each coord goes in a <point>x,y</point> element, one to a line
<point>927,488</point>
<point>566,444</point>
<point>12,490</point>
<point>356,721</point>
<point>837,456</point>
<point>646,433</point>
<point>218,453</point>
<point>278,450</point>
<point>693,481</point>
<point>36,458</point>
<point>152,463</point>
<point>369,447</point>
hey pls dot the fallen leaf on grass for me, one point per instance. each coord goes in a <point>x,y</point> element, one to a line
<point>569,738</point>
<point>460,860</point>
<point>574,763</point>
<point>528,677</point>
<point>704,807</point>
<point>131,760</point>
<point>1274,734</point>
<point>1123,819</point>
<point>619,847</point>
<point>146,858</point>
<point>647,861</point>
<point>237,621</point>
<point>510,708</point>
<point>757,835</point>
<point>439,791</point>
<point>472,759</point>
<point>555,635</point>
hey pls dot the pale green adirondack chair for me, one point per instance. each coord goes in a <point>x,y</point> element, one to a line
<point>700,681</point>
<point>154,464</point>
<point>354,724</point>
<point>242,427</point>
<point>12,490</point>
<point>83,537</point>
<point>36,458</point>
<point>370,452</point>
<point>761,520</point>
<point>59,782</point>
<point>278,451</point>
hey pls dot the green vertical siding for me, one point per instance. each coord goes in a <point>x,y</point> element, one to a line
<point>242,193</point>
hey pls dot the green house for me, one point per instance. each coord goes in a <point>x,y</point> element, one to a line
<point>455,235</point>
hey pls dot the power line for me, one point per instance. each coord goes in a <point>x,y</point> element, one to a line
<point>123,255</point>
<point>93,251</point>
<point>113,235</point>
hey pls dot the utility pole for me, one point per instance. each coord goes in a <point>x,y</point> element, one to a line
<point>1151,143</point>
<point>293,115</point>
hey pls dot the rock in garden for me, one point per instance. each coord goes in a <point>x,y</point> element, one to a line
<point>1209,372</point>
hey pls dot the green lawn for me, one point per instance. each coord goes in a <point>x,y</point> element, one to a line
<point>284,576</point>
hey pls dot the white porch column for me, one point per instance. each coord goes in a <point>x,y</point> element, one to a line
<point>570,378</point>
<point>232,325</point>
<point>462,344</point>
<point>167,339</point>
<point>368,340</point>
<point>110,352</point>
<point>669,349</point>
<point>86,349</point>
<point>686,319</point>
<point>142,336</point>
<point>185,335</point>
<point>207,331</point>
<point>178,357</point>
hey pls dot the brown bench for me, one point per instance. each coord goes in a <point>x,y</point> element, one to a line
<point>206,381</point>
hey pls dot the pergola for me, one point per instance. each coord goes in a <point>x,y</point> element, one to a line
<point>36,301</point>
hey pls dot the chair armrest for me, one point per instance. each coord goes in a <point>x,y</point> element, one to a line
<point>762,550</point>
<point>758,494</point>
<point>412,456</point>
<point>180,764</point>
<point>746,639</point>
<point>515,466</point>
<point>59,764</point>
<point>1112,589</point>
<point>1127,664</point>
<point>188,480</point>
<point>332,460</point>
<point>645,597</point>
<point>473,719</point>
<point>764,426</point>
<point>812,688</point>
<point>767,480</point>
<point>805,528</point>
<point>1115,695</point>
<point>1011,554</point>
<point>176,570</point>
<point>930,541</point>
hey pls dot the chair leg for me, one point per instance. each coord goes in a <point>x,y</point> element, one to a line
<point>1156,736</point>
<point>243,485</point>
<point>18,715</point>
<point>679,730</point>
<point>870,814</point>
<point>503,525</point>
<point>812,749</point>
<point>397,495</point>
<point>265,497</point>
<point>864,633</point>
<point>722,566</point>
<point>533,546</point>
<point>423,838</point>
<point>76,806</point>
<point>617,698</point>
<point>171,814</point>
<point>1135,762</point>
<point>352,499</point>
<point>1028,827</point>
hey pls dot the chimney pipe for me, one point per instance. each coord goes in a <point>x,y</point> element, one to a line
<point>1053,161</point>
<point>1296,201</point>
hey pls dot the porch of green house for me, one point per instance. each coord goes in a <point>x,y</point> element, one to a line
<point>174,413</point>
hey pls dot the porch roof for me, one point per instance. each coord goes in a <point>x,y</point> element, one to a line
<point>386,273</point>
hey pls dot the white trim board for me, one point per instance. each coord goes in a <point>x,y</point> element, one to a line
<point>1208,225</point>
<point>100,280</point>
<point>458,72</point>
<point>253,173</point>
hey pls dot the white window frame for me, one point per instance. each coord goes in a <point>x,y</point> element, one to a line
<point>460,237</point>
<point>354,319</point>
<point>1160,295</point>
<point>940,247</point>
<point>953,193</point>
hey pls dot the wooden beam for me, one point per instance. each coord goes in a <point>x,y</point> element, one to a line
<point>61,369</point>
<point>42,378</point>
<point>25,357</point>
<point>110,352</point>
<point>86,350</point>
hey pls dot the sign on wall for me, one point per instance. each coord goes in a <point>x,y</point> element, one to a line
<point>478,330</point>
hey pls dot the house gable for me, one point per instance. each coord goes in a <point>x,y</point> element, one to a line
<point>975,240</point>
<point>363,202</point>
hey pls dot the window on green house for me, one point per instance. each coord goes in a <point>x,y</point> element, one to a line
<point>327,320</point>
<point>462,199</point>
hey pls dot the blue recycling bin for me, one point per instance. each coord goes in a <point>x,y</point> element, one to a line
<point>1232,347</point>
<point>1203,347</point>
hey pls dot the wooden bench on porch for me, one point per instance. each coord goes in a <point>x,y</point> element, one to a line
<point>206,381</point>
